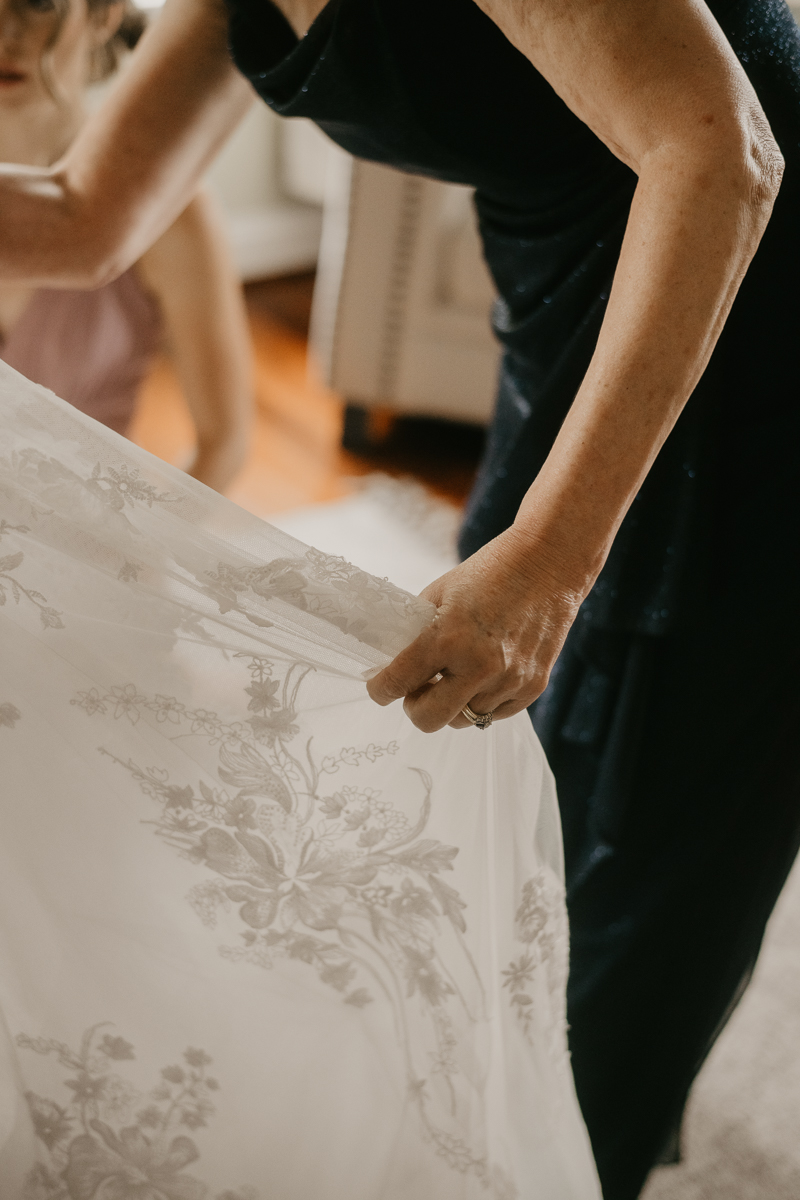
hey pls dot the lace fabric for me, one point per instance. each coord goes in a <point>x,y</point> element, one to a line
<point>261,937</point>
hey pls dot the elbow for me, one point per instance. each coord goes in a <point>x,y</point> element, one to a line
<point>90,249</point>
<point>90,275</point>
<point>96,264</point>
<point>742,170</point>
<point>761,167</point>
<point>765,169</point>
<point>63,240</point>
<point>85,264</point>
<point>53,238</point>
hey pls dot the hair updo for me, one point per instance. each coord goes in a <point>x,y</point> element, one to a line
<point>106,59</point>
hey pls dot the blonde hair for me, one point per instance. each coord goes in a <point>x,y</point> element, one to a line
<point>106,58</point>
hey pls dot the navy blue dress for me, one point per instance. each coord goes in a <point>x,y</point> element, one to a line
<point>672,719</point>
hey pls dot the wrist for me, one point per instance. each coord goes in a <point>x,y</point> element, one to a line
<point>558,549</point>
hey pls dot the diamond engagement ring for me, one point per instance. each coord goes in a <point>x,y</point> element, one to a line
<point>479,720</point>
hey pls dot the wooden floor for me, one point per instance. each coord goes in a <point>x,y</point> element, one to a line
<point>296,456</point>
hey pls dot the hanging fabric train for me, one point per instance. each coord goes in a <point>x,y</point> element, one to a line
<point>260,939</point>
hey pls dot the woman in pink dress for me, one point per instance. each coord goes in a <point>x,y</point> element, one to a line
<point>93,348</point>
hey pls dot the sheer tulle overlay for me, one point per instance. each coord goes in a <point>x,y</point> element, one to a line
<point>260,939</point>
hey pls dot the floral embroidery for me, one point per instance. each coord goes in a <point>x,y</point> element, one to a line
<point>540,924</point>
<point>350,757</point>
<point>9,715</point>
<point>119,487</point>
<point>50,618</point>
<point>91,701</point>
<point>128,572</point>
<point>344,883</point>
<point>329,587</point>
<point>105,1138</point>
<point>7,527</point>
<point>123,486</point>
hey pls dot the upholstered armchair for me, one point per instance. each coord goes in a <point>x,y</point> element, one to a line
<point>401,306</point>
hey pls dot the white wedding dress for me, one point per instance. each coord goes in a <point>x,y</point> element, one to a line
<point>259,938</point>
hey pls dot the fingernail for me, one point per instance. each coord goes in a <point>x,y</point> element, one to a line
<point>371,672</point>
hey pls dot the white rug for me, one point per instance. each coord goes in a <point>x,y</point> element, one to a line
<point>392,528</point>
<point>742,1133</point>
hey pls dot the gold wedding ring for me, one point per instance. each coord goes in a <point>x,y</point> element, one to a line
<point>479,720</point>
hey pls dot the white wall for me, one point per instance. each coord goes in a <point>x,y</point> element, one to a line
<point>245,173</point>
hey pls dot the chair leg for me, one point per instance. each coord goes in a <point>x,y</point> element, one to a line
<point>366,429</point>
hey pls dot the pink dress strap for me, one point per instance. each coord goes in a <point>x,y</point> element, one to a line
<point>92,348</point>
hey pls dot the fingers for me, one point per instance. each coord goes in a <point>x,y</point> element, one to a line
<point>508,708</point>
<point>442,703</point>
<point>434,689</point>
<point>439,674</point>
<point>410,671</point>
<point>491,646</point>
<point>445,669</point>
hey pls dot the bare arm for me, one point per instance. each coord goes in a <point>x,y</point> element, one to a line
<point>658,83</point>
<point>135,164</point>
<point>190,273</point>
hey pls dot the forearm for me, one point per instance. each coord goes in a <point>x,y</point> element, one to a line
<point>691,234</point>
<point>658,83</point>
<point>136,162</point>
<point>217,381</point>
<point>504,614</point>
<point>190,273</point>
<point>216,464</point>
<point>218,386</point>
